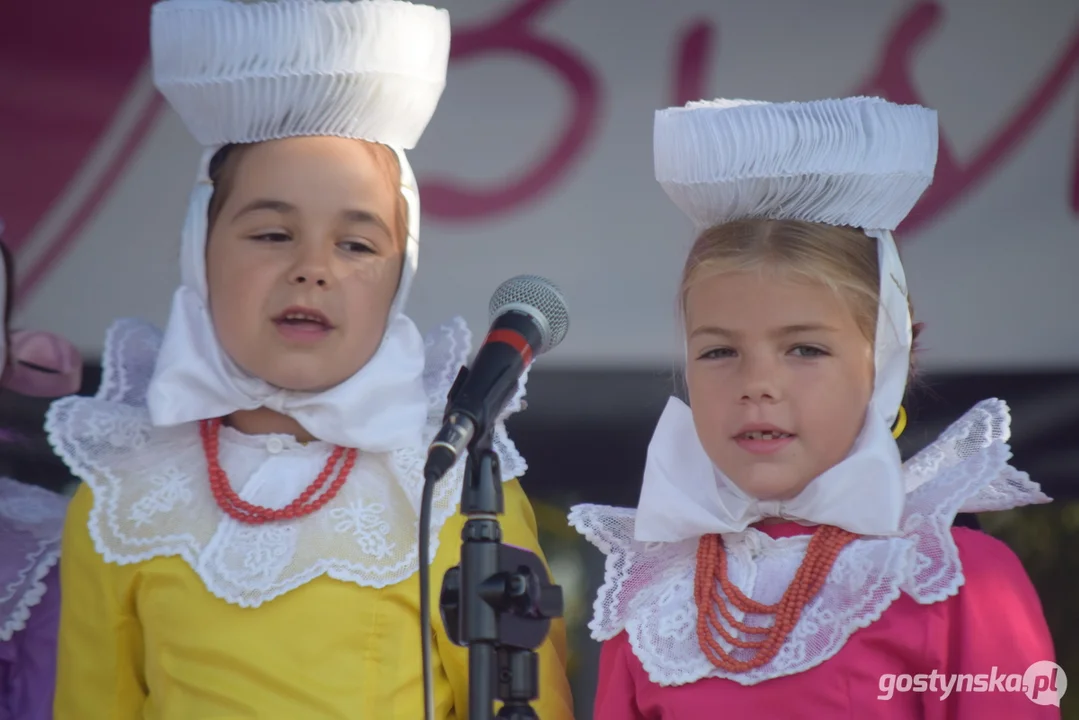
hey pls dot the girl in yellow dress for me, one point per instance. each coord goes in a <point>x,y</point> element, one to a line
<point>244,543</point>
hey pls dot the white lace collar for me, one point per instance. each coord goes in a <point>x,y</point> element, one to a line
<point>152,496</point>
<point>31,523</point>
<point>648,587</point>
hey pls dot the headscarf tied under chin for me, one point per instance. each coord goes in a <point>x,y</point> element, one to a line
<point>268,70</point>
<point>858,162</point>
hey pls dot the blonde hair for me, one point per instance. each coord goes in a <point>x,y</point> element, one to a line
<point>842,258</point>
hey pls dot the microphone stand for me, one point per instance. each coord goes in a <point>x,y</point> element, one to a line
<point>499,601</point>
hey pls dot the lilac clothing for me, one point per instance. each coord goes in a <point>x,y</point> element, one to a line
<point>31,523</point>
<point>28,660</point>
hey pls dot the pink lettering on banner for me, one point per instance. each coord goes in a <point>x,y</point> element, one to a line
<point>65,72</point>
<point>511,34</point>
<point>893,80</point>
<point>695,49</point>
<point>70,86</point>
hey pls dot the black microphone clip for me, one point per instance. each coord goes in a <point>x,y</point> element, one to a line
<point>455,390</point>
<point>456,434</point>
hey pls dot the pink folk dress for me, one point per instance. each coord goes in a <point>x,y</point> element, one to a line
<point>937,623</point>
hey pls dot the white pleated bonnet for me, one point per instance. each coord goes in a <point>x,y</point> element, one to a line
<point>861,162</point>
<point>248,72</point>
<point>241,72</point>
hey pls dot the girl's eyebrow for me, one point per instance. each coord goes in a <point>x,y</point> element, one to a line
<point>780,332</point>
<point>279,206</point>
<point>365,217</point>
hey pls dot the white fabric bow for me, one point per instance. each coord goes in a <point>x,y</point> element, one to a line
<point>685,496</point>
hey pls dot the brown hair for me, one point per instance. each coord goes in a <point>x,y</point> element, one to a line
<point>842,258</point>
<point>224,163</point>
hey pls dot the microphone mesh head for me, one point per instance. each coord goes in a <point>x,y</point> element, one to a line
<point>538,297</point>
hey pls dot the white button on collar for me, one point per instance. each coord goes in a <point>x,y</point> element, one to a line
<point>274,445</point>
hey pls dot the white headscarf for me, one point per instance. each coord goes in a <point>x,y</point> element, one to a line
<point>244,73</point>
<point>860,162</point>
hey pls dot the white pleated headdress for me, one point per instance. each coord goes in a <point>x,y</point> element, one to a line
<point>239,72</point>
<point>862,162</point>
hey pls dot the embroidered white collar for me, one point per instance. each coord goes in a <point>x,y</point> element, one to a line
<point>648,587</point>
<point>152,496</point>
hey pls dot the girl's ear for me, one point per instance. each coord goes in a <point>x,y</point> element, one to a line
<point>42,364</point>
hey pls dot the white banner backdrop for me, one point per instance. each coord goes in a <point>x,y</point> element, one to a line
<point>539,161</point>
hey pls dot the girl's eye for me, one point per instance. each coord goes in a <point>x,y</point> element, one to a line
<point>716,354</point>
<point>808,351</point>
<point>354,246</point>
<point>273,237</point>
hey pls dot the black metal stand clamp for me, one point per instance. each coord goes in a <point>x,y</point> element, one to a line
<point>499,602</point>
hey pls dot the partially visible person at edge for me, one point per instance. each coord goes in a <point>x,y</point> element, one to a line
<point>34,364</point>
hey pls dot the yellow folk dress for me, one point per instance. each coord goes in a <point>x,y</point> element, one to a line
<point>172,611</point>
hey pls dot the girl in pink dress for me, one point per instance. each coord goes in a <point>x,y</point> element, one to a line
<point>783,562</point>
<point>31,519</point>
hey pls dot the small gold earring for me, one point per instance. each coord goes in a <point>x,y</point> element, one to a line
<point>900,423</point>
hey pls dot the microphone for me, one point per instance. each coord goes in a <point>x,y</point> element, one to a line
<point>528,318</point>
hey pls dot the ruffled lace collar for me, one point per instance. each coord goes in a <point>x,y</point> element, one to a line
<point>31,523</point>
<point>648,587</point>
<point>152,496</point>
